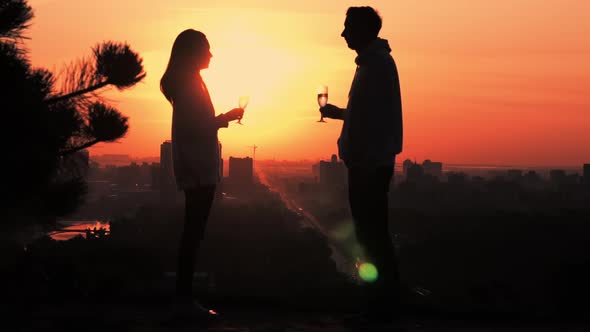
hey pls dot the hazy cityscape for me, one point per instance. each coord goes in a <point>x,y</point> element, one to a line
<point>470,240</point>
<point>435,214</point>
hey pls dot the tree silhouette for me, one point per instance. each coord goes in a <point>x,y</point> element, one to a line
<point>47,126</point>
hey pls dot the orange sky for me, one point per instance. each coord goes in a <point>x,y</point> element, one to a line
<point>497,82</point>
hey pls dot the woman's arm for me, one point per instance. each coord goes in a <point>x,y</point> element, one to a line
<point>195,114</point>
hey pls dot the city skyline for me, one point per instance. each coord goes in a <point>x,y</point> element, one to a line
<point>125,159</point>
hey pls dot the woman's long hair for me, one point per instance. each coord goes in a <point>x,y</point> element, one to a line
<point>186,50</point>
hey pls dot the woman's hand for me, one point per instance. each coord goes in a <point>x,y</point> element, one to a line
<point>234,114</point>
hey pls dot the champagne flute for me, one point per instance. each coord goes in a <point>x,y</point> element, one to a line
<point>243,103</point>
<point>322,98</point>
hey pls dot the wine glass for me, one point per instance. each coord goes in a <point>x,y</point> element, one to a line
<point>322,98</point>
<point>243,103</point>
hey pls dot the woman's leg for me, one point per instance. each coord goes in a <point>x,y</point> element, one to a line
<point>197,207</point>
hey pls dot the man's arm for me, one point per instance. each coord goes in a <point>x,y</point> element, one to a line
<point>332,112</point>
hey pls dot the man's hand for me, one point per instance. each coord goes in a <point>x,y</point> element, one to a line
<point>234,114</point>
<point>331,111</point>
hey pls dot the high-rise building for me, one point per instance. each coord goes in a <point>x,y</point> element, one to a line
<point>406,165</point>
<point>414,173</point>
<point>586,178</point>
<point>428,167</point>
<point>241,170</point>
<point>432,167</point>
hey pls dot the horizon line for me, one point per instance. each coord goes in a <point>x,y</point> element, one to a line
<point>445,164</point>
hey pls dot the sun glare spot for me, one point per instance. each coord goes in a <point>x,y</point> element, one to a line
<point>368,272</point>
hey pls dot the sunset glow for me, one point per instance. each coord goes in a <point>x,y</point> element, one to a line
<point>503,82</point>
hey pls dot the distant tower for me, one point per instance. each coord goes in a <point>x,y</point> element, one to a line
<point>254,147</point>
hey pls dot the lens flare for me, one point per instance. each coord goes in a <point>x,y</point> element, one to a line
<point>343,232</point>
<point>368,272</point>
<point>356,250</point>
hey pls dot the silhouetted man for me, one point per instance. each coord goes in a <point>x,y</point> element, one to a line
<point>370,139</point>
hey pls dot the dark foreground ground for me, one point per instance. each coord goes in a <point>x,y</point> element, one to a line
<point>151,313</point>
<point>87,317</point>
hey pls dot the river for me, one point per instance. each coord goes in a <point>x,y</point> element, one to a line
<point>70,229</point>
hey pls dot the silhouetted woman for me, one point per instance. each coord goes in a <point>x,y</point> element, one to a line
<point>195,151</point>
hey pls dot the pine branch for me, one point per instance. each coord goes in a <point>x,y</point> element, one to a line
<point>14,19</point>
<point>77,93</point>
<point>78,148</point>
